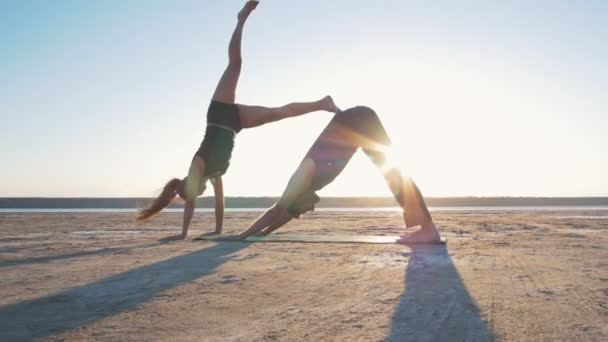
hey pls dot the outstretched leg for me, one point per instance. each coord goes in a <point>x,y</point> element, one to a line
<point>375,142</point>
<point>417,214</point>
<point>226,88</point>
<point>416,211</point>
<point>408,196</point>
<point>253,116</point>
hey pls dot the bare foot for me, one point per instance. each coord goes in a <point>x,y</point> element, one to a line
<point>247,9</point>
<point>327,104</point>
<point>427,233</point>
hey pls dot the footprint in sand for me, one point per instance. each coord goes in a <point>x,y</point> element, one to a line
<point>229,279</point>
<point>245,257</point>
<point>325,254</point>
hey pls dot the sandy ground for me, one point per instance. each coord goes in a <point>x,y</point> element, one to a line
<point>503,276</point>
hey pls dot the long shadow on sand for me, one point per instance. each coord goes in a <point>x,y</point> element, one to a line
<point>435,305</point>
<point>97,252</point>
<point>75,307</point>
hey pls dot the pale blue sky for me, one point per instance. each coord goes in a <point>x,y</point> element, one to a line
<point>482,98</point>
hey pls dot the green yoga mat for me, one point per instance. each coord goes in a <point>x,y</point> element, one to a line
<point>308,238</point>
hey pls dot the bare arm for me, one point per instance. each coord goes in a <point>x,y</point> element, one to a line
<point>298,183</point>
<point>277,224</point>
<point>266,219</point>
<point>188,212</point>
<point>218,188</point>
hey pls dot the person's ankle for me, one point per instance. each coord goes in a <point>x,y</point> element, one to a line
<point>428,225</point>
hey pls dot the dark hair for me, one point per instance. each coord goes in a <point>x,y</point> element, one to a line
<point>166,196</point>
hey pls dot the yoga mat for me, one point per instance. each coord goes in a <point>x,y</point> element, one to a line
<point>308,238</point>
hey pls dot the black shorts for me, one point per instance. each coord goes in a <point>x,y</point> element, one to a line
<point>224,114</point>
<point>223,123</point>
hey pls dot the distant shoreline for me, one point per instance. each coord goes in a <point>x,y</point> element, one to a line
<point>327,202</point>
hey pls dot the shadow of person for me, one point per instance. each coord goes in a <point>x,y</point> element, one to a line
<point>435,304</point>
<point>77,306</point>
<point>79,254</point>
<point>171,238</point>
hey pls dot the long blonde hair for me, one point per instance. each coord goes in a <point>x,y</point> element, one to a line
<point>166,196</point>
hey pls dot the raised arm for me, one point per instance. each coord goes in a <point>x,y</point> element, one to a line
<point>218,188</point>
<point>188,212</point>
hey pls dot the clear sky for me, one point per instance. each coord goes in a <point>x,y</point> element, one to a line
<point>481,98</point>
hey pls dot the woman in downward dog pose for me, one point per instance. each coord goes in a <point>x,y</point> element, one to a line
<point>225,119</point>
<point>355,128</point>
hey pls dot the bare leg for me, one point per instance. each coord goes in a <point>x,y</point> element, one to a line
<point>409,198</point>
<point>406,192</point>
<point>226,88</point>
<point>417,213</point>
<point>253,116</point>
<point>375,144</point>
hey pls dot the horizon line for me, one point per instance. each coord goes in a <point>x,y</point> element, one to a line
<point>324,197</point>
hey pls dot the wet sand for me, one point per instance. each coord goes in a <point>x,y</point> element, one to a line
<point>540,276</point>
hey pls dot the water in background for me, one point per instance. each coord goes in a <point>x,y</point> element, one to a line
<point>360,209</point>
